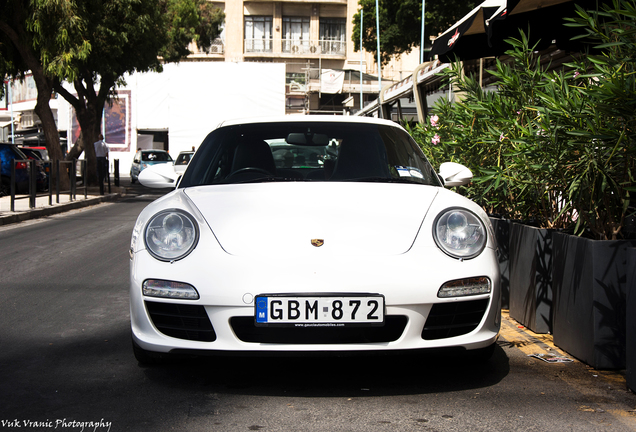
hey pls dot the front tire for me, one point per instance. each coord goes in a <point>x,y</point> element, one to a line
<point>5,189</point>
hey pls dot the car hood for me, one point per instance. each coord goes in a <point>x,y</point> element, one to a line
<point>155,162</point>
<point>278,219</point>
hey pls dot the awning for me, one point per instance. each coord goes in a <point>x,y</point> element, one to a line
<point>476,24</point>
<point>483,31</point>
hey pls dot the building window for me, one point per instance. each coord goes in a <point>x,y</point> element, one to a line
<point>258,34</point>
<point>332,35</point>
<point>296,82</point>
<point>296,34</point>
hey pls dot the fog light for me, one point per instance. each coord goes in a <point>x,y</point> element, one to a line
<point>465,287</point>
<point>169,289</point>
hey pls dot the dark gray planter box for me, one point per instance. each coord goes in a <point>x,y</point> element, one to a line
<point>590,286</point>
<point>630,349</point>
<point>531,277</point>
<point>502,235</point>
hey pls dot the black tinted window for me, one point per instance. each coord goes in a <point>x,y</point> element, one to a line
<point>155,157</point>
<point>309,152</point>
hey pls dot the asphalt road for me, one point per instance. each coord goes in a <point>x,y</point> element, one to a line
<point>66,361</point>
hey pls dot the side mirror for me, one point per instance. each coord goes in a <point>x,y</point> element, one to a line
<point>159,176</point>
<point>455,174</point>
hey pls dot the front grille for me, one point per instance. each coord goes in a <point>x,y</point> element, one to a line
<point>454,319</point>
<point>246,331</point>
<point>181,321</point>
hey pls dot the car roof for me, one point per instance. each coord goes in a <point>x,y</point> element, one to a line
<point>309,118</point>
<point>6,144</point>
<point>14,147</point>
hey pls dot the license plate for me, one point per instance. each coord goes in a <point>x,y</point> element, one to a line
<point>319,311</point>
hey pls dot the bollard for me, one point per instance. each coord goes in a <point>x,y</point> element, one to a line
<point>32,183</point>
<point>73,192</point>
<point>108,175</point>
<point>116,173</point>
<point>57,181</point>
<point>13,186</point>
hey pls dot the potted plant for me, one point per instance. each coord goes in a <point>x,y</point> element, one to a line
<point>555,149</point>
<point>630,332</point>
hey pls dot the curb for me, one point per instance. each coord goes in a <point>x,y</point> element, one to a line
<point>36,213</point>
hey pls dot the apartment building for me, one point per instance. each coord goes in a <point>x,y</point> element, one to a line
<point>313,39</point>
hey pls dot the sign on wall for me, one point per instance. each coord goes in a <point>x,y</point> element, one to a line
<point>117,123</point>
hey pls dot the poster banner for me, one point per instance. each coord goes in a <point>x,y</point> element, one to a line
<point>117,123</point>
<point>331,81</point>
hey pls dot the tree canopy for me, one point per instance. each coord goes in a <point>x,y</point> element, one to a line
<point>401,23</point>
<point>40,37</point>
<point>92,44</point>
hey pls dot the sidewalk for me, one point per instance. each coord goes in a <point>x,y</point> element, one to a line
<point>42,208</point>
<point>541,346</point>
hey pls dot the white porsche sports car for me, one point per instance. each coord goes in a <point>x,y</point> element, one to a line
<point>312,234</point>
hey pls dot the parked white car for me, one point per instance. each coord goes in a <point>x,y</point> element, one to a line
<point>363,250</point>
<point>147,158</point>
<point>182,161</point>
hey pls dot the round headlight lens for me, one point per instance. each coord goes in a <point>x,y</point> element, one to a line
<point>171,235</point>
<point>459,233</point>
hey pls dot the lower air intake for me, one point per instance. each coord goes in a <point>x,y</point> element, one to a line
<point>454,319</point>
<point>246,331</point>
<point>181,321</point>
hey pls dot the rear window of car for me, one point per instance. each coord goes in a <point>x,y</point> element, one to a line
<point>309,151</point>
<point>43,153</point>
<point>8,153</point>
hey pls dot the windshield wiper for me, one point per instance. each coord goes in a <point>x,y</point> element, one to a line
<point>269,179</point>
<point>381,180</point>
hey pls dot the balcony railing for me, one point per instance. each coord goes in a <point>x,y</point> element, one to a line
<point>297,47</point>
<point>217,47</point>
<point>258,45</point>
<point>314,47</point>
<point>332,47</point>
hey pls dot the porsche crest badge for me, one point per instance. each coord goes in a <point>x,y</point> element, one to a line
<point>317,242</point>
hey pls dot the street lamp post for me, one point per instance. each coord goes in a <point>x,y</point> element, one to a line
<point>422,41</point>
<point>361,57</point>
<point>377,25</point>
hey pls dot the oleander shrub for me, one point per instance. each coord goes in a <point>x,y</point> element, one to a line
<point>552,147</point>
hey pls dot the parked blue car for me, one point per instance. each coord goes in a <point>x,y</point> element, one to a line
<point>9,153</point>
<point>43,167</point>
<point>145,158</point>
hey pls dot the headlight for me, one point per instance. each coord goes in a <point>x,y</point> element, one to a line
<point>171,235</point>
<point>459,233</point>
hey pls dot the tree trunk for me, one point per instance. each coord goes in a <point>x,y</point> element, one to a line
<point>51,135</point>
<point>88,108</point>
<point>87,138</point>
<point>44,86</point>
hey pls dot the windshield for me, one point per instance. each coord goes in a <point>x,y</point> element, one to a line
<point>156,156</point>
<point>309,151</point>
<point>183,158</point>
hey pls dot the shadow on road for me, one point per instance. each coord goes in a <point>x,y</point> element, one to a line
<point>368,375</point>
